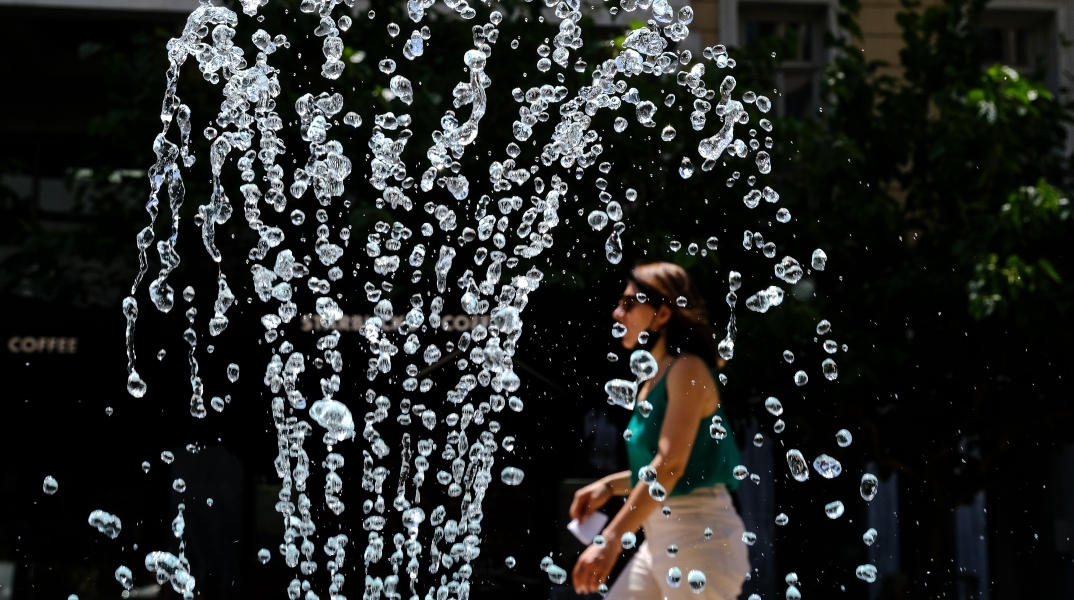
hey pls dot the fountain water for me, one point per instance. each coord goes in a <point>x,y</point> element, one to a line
<point>246,132</point>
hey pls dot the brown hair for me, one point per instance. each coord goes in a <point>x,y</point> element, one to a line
<point>689,329</point>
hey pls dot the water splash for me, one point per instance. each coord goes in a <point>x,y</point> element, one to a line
<point>249,117</point>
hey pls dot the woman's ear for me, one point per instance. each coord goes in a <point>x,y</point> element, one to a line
<point>663,315</point>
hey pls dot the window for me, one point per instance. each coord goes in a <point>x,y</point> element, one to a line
<point>1021,39</point>
<point>797,76</point>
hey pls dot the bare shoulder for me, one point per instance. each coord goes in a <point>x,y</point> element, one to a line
<point>690,371</point>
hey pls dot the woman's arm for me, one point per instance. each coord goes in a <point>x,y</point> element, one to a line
<point>691,391</point>
<point>593,496</point>
<point>618,483</point>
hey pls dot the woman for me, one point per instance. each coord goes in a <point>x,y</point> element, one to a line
<point>673,440</point>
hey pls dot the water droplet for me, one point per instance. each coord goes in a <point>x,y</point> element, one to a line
<point>647,474</point>
<point>557,575</point>
<point>665,510</point>
<point>712,243</point>
<point>763,104</point>
<point>869,486</point>
<point>749,538</point>
<point>830,346</point>
<point>801,378</point>
<point>188,294</point>
<point>830,369</point>
<point>386,66</point>
<point>866,573</point>
<point>510,562</point>
<point>145,466</point>
<point>827,467</point>
<point>686,168</point>
<point>233,372</point>
<point>783,215</point>
<point>179,485</point>
<point>834,510</point>
<point>675,245</point>
<point>674,577</point>
<point>643,337</point>
<point>797,464</point>
<point>773,406</point>
<point>628,540</point>
<point>819,259</point>
<point>758,440</point>
<point>869,537</point>
<point>696,580</point>
<point>613,357</point>
<point>125,577</point>
<point>106,523</point>
<point>707,534</point>
<point>792,593</point>
<point>512,475</point>
<point>161,354</point>
<point>672,550</point>
<point>824,327</point>
<point>788,356</point>
<point>393,29</point>
<point>681,301</point>
<point>597,219</point>
<point>668,133</point>
<point>782,519</point>
<point>167,457</point>
<point>779,426</point>
<point>740,472</point>
<point>657,492</point>
<point>843,438</point>
<point>263,555</point>
<point>50,485</point>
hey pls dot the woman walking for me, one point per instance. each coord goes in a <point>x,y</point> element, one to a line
<point>695,528</point>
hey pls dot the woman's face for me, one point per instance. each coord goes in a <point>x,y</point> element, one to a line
<point>636,316</point>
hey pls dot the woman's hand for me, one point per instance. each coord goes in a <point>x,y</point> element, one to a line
<point>590,498</point>
<point>593,567</point>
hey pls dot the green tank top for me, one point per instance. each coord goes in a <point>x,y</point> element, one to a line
<point>711,461</point>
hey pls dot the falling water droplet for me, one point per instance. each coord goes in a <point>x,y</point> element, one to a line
<point>686,168</point>
<point>773,406</point>
<point>869,486</point>
<point>801,378</point>
<point>797,464</point>
<point>628,540</point>
<point>696,580</point>
<point>866,573</point>
<point>819,260</point>
<point>512,475</point>
<point>827,467</point>
<point>125,577</point>
<point>672,550</point>
<point>263,555</point>
<point>167,457</point>
<point>843,438</point>
<point>823,327</point>
<point>510,562</point>
<point>782,519</point>
<point>674,577</point>
<point>788,356</point>
<point>50,485</point>
<point>869,537</point>
<point>830,369</point>
<point>749,538</point>
<point>834,510</point>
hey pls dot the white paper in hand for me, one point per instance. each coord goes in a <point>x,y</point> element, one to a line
<point>586,530</point>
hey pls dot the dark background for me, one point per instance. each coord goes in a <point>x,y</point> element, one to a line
<point>956,401</point>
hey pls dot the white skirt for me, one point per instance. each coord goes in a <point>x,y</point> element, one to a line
<point>723,558</point>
